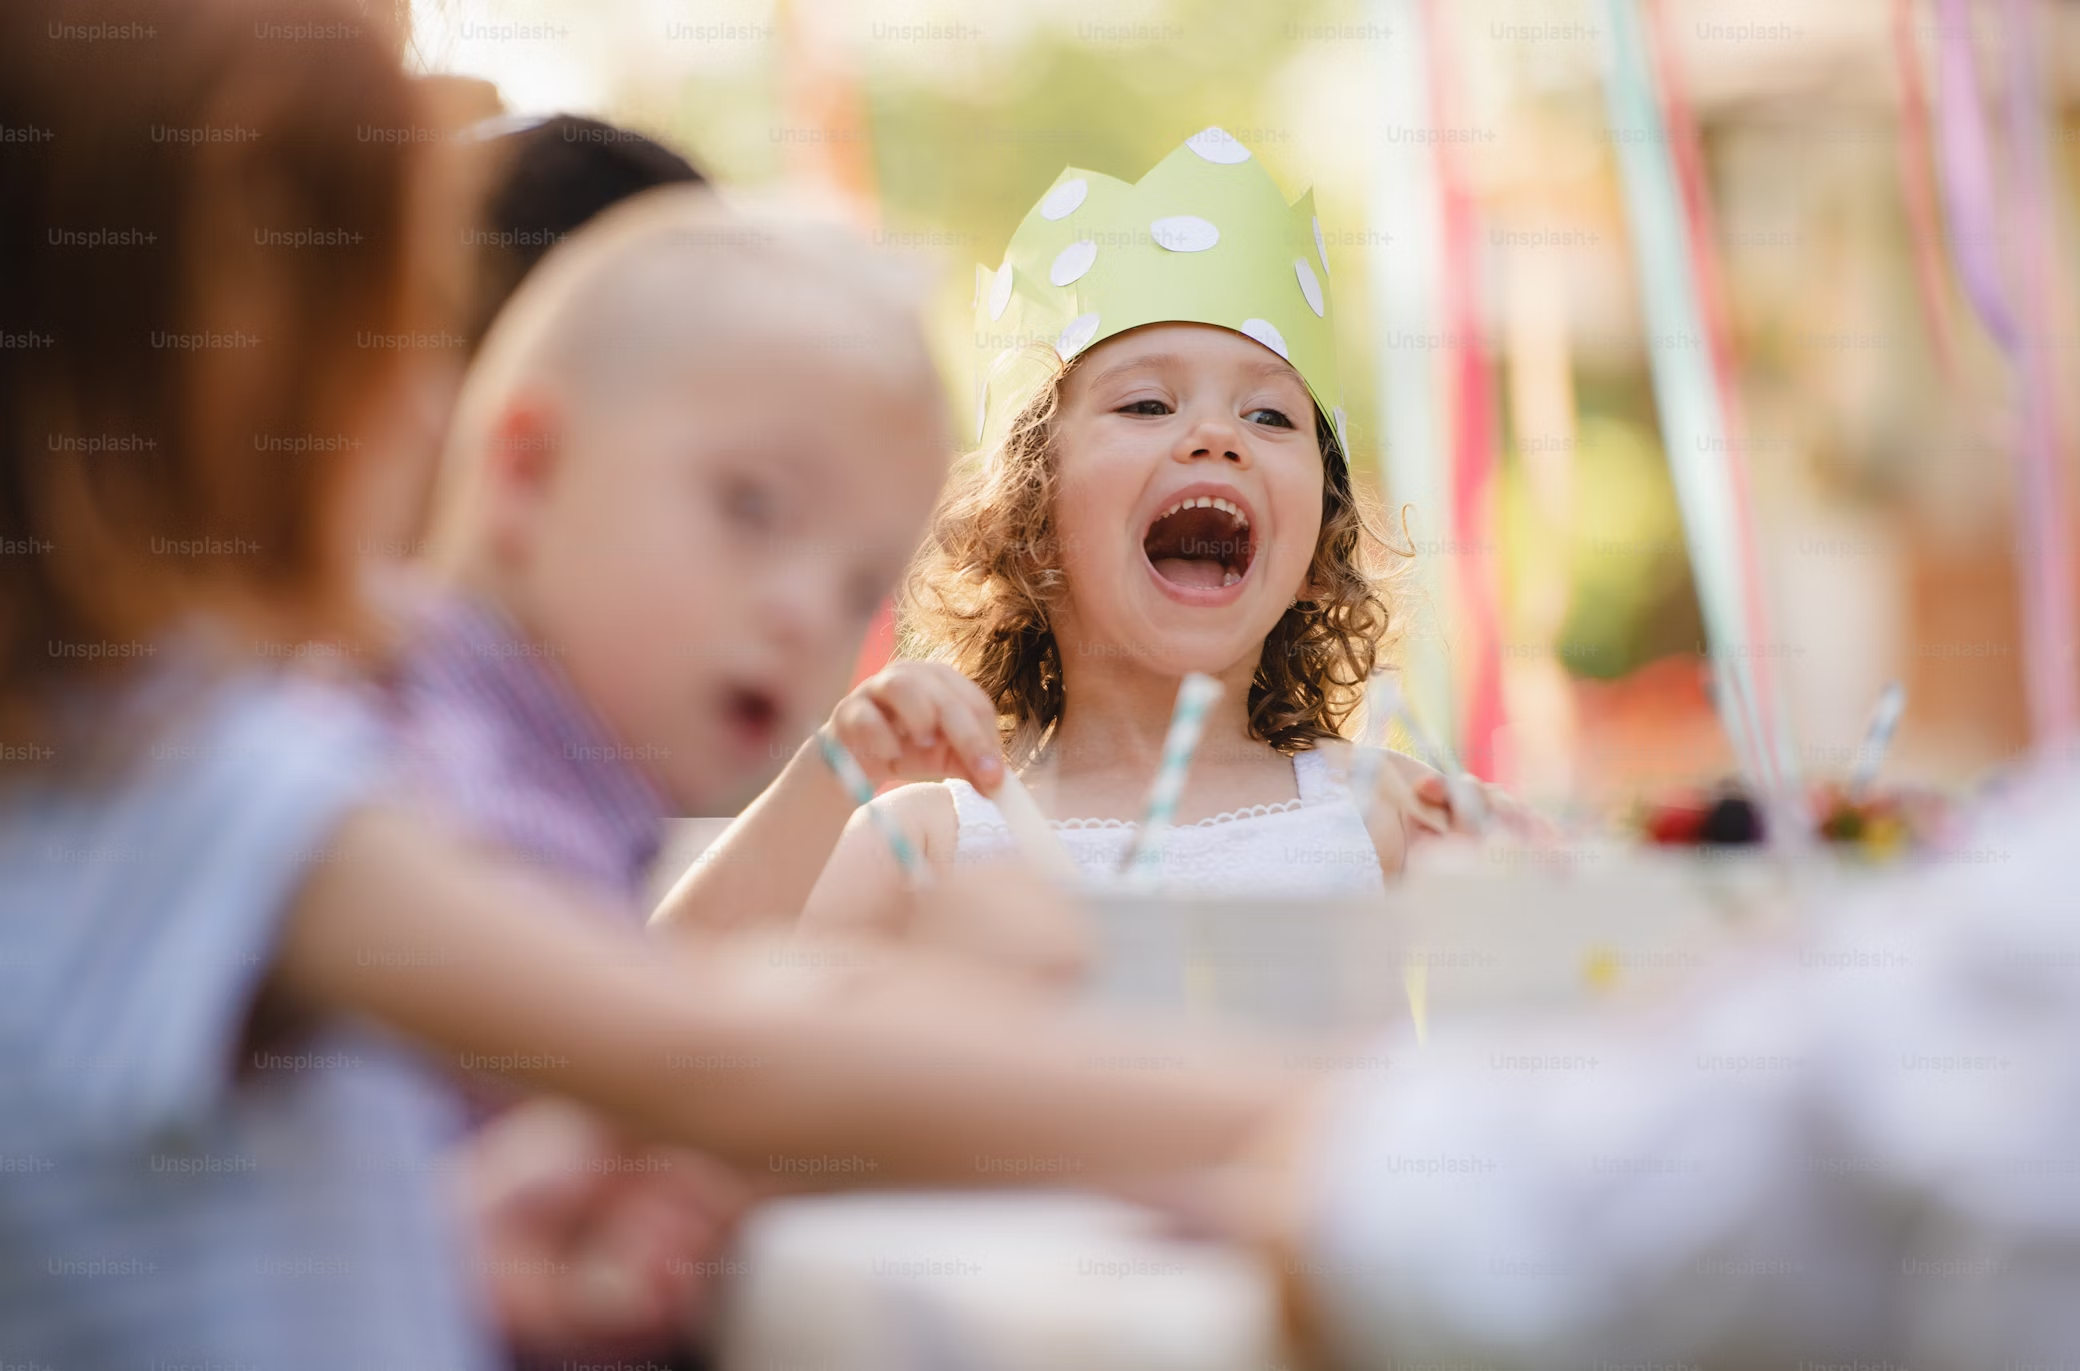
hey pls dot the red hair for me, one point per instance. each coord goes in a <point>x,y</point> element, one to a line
<point>213,245</point>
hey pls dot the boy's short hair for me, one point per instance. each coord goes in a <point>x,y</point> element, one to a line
<point>212,267</point>
<point>979,594</point>
<point>600,313</point>
<point>553,176</point>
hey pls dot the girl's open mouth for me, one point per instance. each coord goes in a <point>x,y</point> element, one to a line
<point>1200,543</point>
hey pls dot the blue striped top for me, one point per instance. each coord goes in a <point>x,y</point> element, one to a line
<point>169,1195</point>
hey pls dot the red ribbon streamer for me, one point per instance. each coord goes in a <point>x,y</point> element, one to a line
<point>1473,430</point>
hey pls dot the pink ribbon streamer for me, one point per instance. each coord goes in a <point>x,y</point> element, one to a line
<point>1918,189</point>
<point>1473,432</point>
<point>1968,172</point>
<point>2043,543</point>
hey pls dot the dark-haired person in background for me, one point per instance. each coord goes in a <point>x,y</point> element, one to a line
<point>552,175</point>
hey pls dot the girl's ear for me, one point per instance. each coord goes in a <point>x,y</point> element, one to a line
<point>1311,590</point>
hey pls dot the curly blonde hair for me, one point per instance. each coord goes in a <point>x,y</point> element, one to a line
<point>978,593</point>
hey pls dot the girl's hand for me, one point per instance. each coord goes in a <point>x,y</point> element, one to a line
<point>1462,805</point>
<point>920,721</point>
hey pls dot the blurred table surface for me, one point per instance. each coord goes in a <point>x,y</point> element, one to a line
<point>991,1281</point>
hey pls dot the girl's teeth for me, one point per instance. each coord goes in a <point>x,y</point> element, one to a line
<point>1227,507</point>
<point>1230,578</point>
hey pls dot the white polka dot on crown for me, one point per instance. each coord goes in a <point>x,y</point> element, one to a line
<point>1184,233</point>
<point>1309,287</point>
<point>1216,144</point>
<point>1063,200</point>
<point>1072,262</point>
<point>1263,332</point>
<point>1077,336</point>
<point>1000,292</point>
<point>1319,249</point>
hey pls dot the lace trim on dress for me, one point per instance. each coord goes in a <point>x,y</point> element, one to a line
<point>1251,812</point>
<point>1311,775</point>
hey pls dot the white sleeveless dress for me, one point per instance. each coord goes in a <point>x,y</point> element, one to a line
<point>1315,845</point>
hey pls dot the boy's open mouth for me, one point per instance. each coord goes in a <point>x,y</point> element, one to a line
<point>1202,543</point>
<point>753,715</point>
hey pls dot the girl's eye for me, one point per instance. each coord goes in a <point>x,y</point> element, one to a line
<point>1151,408</point>
<point>1277,420</point>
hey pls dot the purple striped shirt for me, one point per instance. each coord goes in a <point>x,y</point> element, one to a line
<point>501,740</point>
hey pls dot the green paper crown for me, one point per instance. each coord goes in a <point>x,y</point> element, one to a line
<point>1206,238</point>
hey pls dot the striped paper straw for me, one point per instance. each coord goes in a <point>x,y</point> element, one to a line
<point>1885,716</point>
<point>1195,696</point>
<point>862,791</point>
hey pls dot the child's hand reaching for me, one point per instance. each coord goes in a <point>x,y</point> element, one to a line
<point>914,721</point>
<point>920,721</point>
<point>1416,801</point>
<point>590,1241</point>
<point>1465,806</point>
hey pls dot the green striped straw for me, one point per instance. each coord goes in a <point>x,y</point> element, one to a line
<point>862,791</point>
<point>1195,696</point>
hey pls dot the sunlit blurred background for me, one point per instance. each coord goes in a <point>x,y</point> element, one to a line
<point>1473,198</point>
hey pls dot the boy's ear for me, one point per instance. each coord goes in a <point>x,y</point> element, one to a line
<point>523,451</point>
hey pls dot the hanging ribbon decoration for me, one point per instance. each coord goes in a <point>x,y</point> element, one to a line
<point>1967,163</point>
<point>2047,548</point>
<point>1472,390</point>
<point>1690,354</point>
<point>1413,476</point>
<point>1709,283</point>
<point>1918,190</point>
<point>2024,329</point>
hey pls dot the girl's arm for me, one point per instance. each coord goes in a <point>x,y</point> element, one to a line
<point>1025,929</point>
<point>760,870</point>
<point>860,891</point>
<point>402,927</point>
<point>915,720</point>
